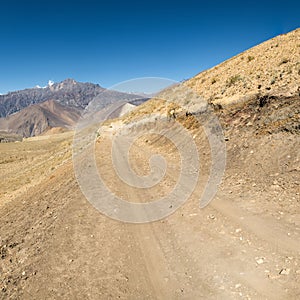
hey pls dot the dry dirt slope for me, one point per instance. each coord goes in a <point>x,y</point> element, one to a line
<point>271,68</point>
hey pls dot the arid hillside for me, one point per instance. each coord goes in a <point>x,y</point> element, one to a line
<point>258,89</point>
<point>271,68</point>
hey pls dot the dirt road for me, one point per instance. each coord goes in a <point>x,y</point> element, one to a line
<point>56,245</point>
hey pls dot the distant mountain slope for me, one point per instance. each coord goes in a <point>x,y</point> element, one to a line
<point>36,119</point>
<point>6,137</point>
<point>68,93</point>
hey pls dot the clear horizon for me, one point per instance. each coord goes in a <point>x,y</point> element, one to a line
<point>108,43</point>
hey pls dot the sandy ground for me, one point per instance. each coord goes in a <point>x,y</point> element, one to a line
<point>243,245</point>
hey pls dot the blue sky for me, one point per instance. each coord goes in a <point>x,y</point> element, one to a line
<point>112,41</point>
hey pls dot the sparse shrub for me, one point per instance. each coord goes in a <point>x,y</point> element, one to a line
<point>290,70</point>
<point>250,58</point>
<point>213,81</point>
<point>233,79</point>
<point>191,84</point>
<point>273,81</point>
<point>186,101</point>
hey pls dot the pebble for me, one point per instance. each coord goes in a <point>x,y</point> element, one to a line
<point>284,272</point>
<point>192,215</point>
<point>260,260</point>
<point>212,216</point>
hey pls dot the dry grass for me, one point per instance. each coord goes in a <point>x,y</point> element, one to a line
<point>271,68</point>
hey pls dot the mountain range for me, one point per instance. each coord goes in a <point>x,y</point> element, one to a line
<point>30,112</point>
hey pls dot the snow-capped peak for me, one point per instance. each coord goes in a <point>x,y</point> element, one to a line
<point>50,83</point>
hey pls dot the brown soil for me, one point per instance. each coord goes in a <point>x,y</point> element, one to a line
<point>244,244</point>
